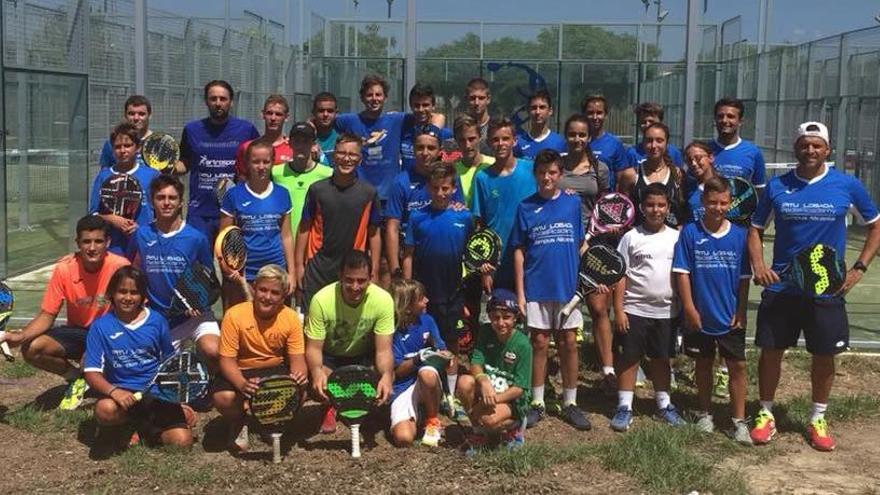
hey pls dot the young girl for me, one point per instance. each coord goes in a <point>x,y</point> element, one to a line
<point>262,210</point>
<point>419,353</point>
<point>124,348</point>
<point>126,142</point>
<point>701,167</point>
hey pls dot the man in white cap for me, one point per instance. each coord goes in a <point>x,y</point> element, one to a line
<point>809,205</point>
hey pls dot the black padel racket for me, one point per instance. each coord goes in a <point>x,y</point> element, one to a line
<point>229,246</point>
<point>120,195</point>
<point>181,378</point>
<point>611,211</point>
<point>160,151</point>
<point>7,304</point>
<point>275,402</point>
<point>743,200</point>
<point>352,391</point>
<point>816,270</point>
<point>483,246</point>
<point>196,288</point>
<point>599,264</point>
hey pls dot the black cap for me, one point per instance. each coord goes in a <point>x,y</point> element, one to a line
<point>303,129</point>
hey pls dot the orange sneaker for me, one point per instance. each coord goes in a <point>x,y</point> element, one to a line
<point>328,424</point>
<point>765,427</point>
<point>820,439</point>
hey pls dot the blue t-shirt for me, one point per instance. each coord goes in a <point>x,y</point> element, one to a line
<point>635,155</point>
<point>408,342</point>
<point>407,151</point>
<point>128,355</point>
<point>144,175</point>
<point>163,257</point>
<point>609,148</point>
<point>495,199</point>
<point>716,264</point>
<point>810,212</point>
<point>694,197</point>
<point>259,216</point>
<point>551,232</point>
<point>381,150</point>
<point>409,192</point>
<point>528,147</point>
<point>740,159</point>
<point>209,151</point>
<point>438,238</point>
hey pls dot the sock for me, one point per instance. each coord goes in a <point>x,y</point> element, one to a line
<point>569,396</point>
<point>72,374</point>
<point>538,394</point>
<point>737,420</point>
<point>451,382</point>
<point>662,400</point>
<point>767,405</point>
<point>625,399</point>
<point>723,368</point>
<point>607,370</point>
<point>818,411</point>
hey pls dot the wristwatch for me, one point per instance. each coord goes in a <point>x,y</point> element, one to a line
<point>858,265</point>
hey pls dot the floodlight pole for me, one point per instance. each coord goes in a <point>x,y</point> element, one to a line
<point>409,79</point>
<point>690,84</point>
<point>140,47</point>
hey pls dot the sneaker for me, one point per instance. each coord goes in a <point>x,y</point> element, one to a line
<point>765,427</point>
<point>433,432</point>
<point>74,394</point>
<point>722,380</point>
<point>241,442</point>
<point>608,385</point>
<point>474,443</point>
<point>134,440</point>
<point>641,379</point>
<point>670,416</point>
<point>820,439</point>
<point>579,335</point>
<point>623,417</point>
<point>535,414</point>
<point>513,438</point>
<point>572,415</point>
<point>741,432</point>
<point>459,415</point>
<point>328,424</point>
<point>705,422</point>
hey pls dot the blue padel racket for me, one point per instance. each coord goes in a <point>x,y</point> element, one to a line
<point>352,391</point>
<point>7,304</point>
<point>743,200</point>
<point>816,270</point>
<point>181,378</point>
<point>196,289</point>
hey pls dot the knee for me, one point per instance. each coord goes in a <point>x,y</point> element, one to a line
<point>226,402</point>
<point>31,350</point>
<point>209,347</point>
<point>540,341</point>
<point>178,437</point>
<point>107,412</point>
<point>428,377</point>
<point>403,434</point>
<point>464,385</point>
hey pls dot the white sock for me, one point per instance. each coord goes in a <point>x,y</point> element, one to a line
<point>569,396</point>
<point>607,370</point>
<point>451,382</point>
<point>72,374</point>
<point>723,368</point>
<point>767,405</point>
<point>663,400</point>
<point>735,421</point>
<point>625,399</point>
<point>818,411</point>
<point>538,394</point>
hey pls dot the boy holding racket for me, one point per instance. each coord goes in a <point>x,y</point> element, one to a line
<point>712,272</point>
<point>645,309</point>
<point>259,338</point>
<point>547,239</point>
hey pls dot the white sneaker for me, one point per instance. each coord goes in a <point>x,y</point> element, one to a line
<point>433,433</point>
<point>705,422</point>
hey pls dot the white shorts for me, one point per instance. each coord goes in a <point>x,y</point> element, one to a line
<point>547,316</point>
<point>406,405</point>
<point>194,328</point>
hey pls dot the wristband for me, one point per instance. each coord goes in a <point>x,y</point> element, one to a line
<point>110,393</point>
<point>858,265</point>
<point>480,375</point>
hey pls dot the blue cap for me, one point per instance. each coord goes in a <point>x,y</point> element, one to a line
<point>429,129</point>
<point>503,299</point>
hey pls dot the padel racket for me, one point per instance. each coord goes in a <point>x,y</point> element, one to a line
<point>483,246</point>
<point>181,378</point>
<point>120,195</point>
<point>230,247</point>
<point>195,289</point>
<point>611,211</point>
<point>275,402</point>
<point>160,151</point>
<point>816,270</point>
<point>223,185</point>
<point>352,391</point>
<point>599,264</point>
<point>7,304</point>
<point>743,200</point>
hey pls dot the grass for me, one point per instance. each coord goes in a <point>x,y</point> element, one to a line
<point>531,457</point>
<point>17,369</point>
<point>163,465</point>
<point>841,408</point>
<point>31,419</point>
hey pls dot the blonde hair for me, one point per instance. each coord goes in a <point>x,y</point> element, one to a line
<point>273,273</point>
<point>405,294</point>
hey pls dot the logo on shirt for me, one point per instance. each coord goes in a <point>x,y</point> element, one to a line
<point>151,243</point>
<point>538,209</point>
<point>115,335</point>
<point>702,241</point>
<point>509,357</point>
<point>459,225</point>
<point>245,204</point>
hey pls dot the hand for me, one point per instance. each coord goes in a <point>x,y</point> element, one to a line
<point>521,302</point>
<point>487,392</point>
<point>124,225</point>
<point>383,388</point>
<point>692,321</point>
<point>621,322</point>
<point>14,339</point>
<point>487,269</point>
<point>291,283</point>
<point>765,277</point>
<point>457,206</point>
<point>319,384</point>
<point>487,282</point>
<point>569,191</point>
<point>224,268</point>
<point>298,378</point>
<point>250,386</point>
<point>602,289</point>
<point>852,278</point>
<point>193,313</point>
<point>738,321</point>
<point>123,398</point>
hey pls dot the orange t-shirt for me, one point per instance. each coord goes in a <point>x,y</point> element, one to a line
<point>84,292</point>
<point>256,346</point>
<point>283,154</point>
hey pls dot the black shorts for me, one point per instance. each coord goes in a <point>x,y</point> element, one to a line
<point>731,345</point>
<point>447,315</point>
<point>333,362</point>
<point>221,384</point>
<point>782,317</point>
<point>72,339</point>
<point>652,337</point>
<point>159,414</point>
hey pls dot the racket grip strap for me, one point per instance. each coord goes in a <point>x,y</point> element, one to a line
<point>276,448</point>
<point>568,308</point>
<point>356,441</point>
<point>138,396</point>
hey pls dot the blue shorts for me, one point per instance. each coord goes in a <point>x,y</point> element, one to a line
<point>823,320</point>
<point>72,339</point>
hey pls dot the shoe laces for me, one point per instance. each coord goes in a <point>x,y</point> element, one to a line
<point>820,426</point>
<point>764,418</point>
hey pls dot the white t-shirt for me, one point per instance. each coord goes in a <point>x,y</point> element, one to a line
<point>648,258</point>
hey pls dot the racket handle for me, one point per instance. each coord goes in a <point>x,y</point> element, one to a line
<point>356,440</point>
<point>7,353</point>
<point>568,308</point>
<point>276,448</point>
<point>138,396</point>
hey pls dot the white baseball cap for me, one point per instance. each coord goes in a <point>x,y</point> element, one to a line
<point>816,129</point>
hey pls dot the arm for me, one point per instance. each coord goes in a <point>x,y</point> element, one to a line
<point>299,251</point>
<point>692,321</point>
<point>762,273</point>
<point>375,241</point>
<point>36,327</point>
<point>742,303</point>
<point>225,221</point>
<point>287,245</point>
<point>519,275</point>
<point>625,180</point>
<point>621,322</point>
<point>407,261</point>
<point>392,243</point>
<point>299,371</point>
<point>230,370</point>
<point>123,398</point>
<point>315,363</point>
<point>385,367</point>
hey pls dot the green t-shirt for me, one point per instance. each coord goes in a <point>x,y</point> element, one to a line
<point>348,331</point>
<point>297,184</point>
<point>508,364</point>
<point>466,174</point>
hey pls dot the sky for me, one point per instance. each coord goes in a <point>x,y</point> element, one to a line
<point>791,21</point>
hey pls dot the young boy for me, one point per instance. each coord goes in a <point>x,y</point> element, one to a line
<point>478,98</point>
<point>496,392</point>
<point>645,309</point>
<point>422,102</point>
<point>275,113</point>
<point>538,136</point>
<point>547,236</point>
<point>324,119</point>
<point>467,138</point>
<point>712,272</point>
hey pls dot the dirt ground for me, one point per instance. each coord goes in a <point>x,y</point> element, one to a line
<point>56,457</point>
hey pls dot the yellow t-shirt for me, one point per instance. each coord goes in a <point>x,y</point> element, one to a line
<point>256,346</point>
<point>348,331</point>
<point>466,175</point>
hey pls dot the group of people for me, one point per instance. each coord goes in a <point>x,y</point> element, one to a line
<point>355,226</point>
